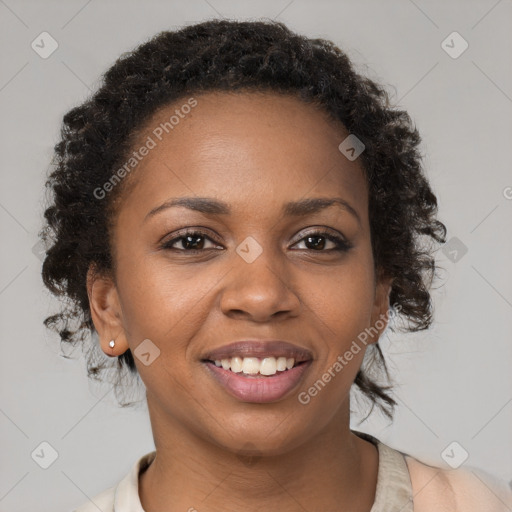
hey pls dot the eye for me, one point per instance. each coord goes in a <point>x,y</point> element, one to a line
<point>190,241</point>
<point>317,241</point>
<point>195,241</point>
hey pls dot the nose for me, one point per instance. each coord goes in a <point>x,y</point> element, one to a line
<point>260,290</point>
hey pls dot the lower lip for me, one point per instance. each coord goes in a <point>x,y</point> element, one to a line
<point>255,388</point>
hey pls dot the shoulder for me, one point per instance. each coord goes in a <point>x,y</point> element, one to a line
<point>124,495</point>
<point>457,490</point>
<point>103,501</point>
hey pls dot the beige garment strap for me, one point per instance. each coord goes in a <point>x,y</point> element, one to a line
<point>394,488</point>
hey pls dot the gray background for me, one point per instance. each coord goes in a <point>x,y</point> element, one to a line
<point>454,381</point>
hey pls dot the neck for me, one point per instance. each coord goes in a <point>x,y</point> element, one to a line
<point>334,470</point>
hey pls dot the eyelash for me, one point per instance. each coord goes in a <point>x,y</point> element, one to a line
<point>341,244</point>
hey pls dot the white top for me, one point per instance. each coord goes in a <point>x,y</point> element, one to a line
<point>404,484</point>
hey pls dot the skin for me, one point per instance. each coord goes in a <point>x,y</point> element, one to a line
<point>255,151</point>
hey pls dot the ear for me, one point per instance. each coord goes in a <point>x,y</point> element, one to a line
<point>380,312</point>
<point>106,312</point>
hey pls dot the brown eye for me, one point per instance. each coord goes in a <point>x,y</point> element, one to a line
<point>190,241</point>
<point>317,241</point>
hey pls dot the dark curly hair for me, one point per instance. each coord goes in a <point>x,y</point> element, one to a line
<point>225,55</point>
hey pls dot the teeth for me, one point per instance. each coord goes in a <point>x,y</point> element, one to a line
<point>281,364</point>
<point>235,364</point>
<point>251,365</point>
<point>255,366</point>
<point>268,366</point>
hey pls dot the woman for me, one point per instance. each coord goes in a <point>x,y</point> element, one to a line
<point>236,215</point>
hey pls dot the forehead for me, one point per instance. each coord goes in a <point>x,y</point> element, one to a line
<point>240,147</point>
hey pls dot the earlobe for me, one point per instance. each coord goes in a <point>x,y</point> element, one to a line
<point>113,348</point>
<point>106,313</point>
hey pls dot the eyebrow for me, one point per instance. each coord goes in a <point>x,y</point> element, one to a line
<point>212,206</point>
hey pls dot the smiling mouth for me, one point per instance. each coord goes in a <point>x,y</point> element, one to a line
<point>255,367</point>
<point>254,387</point>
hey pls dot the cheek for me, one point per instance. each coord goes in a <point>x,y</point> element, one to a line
<point>343,298</point>
<point>163,305</point>
<point>159,301</point>
<point>341,305</point>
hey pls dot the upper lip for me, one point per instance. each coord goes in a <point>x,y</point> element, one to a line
<point>259,348</point>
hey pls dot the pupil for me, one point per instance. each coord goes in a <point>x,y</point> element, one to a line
<point>187,241</point>
<point>320,245</point>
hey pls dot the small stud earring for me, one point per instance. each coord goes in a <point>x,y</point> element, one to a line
<point>112,343</point>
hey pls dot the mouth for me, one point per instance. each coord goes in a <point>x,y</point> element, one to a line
<point>255,367</point>
<point>255,371</point>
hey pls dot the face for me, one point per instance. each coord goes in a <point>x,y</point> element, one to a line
<point>251,270</point>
